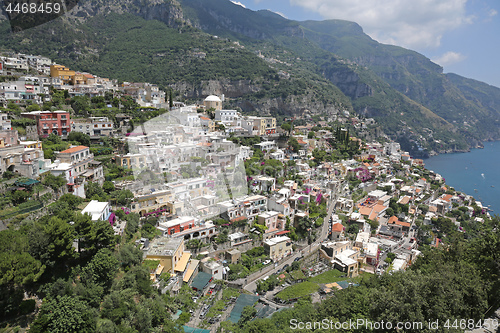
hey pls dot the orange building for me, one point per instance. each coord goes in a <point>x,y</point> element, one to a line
<point>65,74</point>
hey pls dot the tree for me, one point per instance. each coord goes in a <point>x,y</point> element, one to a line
<point>122,197</point>
<point>247,314</point>
<point>95,192</point>
<point>72,200</point>
<point>129,255</point>
<point>101,236</point>
<point>82,225</point>
<point>18,197</point>
<point>33,107</point>
<point>108,186</point>
<point>170,99</point>
<point>65,314</point>
<point>51,241</point>
<point>82,138</point>
<point>101,269</point>
<point>286,127</point>
<point>294,144</point>
<point>54,182</point>
<point>81,104</point>
<point>17,266</point>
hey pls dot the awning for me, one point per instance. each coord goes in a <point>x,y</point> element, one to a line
<point>159,269</point>
<point>182,263</point>
<point>201,280</point>
<point>188,275</point>
<point>88,173</point>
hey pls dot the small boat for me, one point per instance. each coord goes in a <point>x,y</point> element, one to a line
<point>492,186</point>
<point>475,190</point>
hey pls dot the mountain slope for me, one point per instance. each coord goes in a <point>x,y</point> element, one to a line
<point>130,48</point>
<point>279,66</point>
<point>411,74</point>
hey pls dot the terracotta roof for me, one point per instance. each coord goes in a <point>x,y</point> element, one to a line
<point>404,200</point>
<point>392,220</point>
<point>204,118</point>
<point>373,216</point>
<point>239,218</point>
<point>282,232</point>
<point>404,224</point>
<point>74,149</point>
<point>365,211</point>
<point>379,208</point>
<point>337,227</point>
<point>447,197</point>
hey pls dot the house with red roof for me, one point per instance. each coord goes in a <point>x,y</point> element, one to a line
<point>337,231</point>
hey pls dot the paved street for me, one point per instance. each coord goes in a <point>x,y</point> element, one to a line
<point>250,284</point>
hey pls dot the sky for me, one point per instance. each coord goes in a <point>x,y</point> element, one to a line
<point>463,36</point>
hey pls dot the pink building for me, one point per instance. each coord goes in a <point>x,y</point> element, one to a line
<point>56,122</point>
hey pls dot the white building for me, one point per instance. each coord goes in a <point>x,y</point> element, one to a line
<point>226,116</point>
<point>5,123</point>
<point>278,247</point>
<point>98,210</point>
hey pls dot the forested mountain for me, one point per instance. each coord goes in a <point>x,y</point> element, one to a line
<point>264,62</point>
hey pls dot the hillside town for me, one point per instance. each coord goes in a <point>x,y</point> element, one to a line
<point>233,210</point>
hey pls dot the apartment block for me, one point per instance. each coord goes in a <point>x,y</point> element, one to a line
<point>50,122</point>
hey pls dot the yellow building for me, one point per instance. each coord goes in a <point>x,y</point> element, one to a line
<point>159,200</point>
<point>170,254</point>
<point>278,247</point>
<point>260,125</point>
<point>270,125</point>
<point>60,71</point>
<point>78,78</point>
<point>131,161</point>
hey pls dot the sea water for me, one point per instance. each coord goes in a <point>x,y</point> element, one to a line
<point>476,173</point>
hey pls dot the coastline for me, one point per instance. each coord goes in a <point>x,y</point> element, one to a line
<point>474,174</point>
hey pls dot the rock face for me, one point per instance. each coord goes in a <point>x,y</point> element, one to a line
<point>235,92</point>
<point>167,11</point>
<point>230,88</point>
<point>350,83</point>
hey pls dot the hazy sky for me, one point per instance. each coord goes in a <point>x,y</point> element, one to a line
<point>463,36</point>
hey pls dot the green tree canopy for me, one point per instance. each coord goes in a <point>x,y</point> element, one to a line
<point>65,314</point>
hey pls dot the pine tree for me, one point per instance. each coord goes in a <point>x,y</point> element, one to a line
<point>170,100</point>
